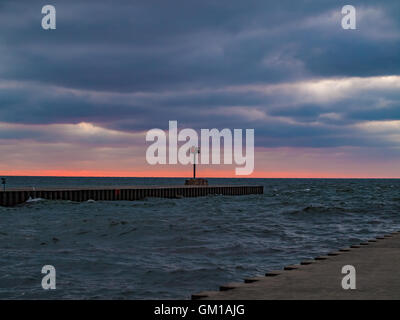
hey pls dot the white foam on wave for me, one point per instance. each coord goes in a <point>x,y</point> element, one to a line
<point>34,199</point>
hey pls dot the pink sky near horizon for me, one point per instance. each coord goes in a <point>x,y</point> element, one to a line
<point>91,151</point>
<point>269,163</point>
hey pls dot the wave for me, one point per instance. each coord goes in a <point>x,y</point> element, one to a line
<point>30,200</point>
<point>318,209</point>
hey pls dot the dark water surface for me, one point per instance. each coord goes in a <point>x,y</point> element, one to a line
<point>171,248</point>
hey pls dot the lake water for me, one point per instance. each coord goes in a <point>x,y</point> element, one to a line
<point>171,248</point>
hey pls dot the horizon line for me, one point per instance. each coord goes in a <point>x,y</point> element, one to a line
<point>238,177</point>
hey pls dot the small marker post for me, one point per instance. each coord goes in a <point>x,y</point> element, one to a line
<point>3,182</point>
<point>195,182</point>
<point>194,150</point>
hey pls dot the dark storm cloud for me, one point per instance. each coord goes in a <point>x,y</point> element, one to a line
<point>185,55</point>
<point>156,45</point>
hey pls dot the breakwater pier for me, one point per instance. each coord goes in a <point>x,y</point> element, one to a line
<point>15,196</point>
<point>376,265</point>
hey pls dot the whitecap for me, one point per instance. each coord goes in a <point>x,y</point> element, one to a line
<point>34,199</point>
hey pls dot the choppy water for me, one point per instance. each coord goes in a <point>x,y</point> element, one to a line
<point>170,248</point>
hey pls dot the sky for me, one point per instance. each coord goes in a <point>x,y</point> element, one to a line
<point>78,100</point>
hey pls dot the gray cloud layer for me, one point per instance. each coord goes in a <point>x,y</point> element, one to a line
<point>134,65</point>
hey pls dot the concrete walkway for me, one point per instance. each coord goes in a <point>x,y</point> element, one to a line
<point>377,264</point>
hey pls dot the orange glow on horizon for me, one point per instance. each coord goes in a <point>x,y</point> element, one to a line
<point>182,174</point>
